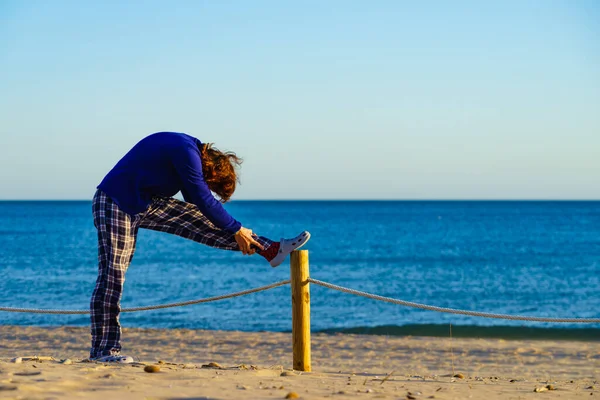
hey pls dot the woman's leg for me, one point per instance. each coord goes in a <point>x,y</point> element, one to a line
<point>116,244</point>
<point>185,219</point>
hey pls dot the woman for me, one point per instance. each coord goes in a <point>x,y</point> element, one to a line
<point>137,192</point>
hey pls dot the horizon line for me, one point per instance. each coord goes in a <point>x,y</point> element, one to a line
<point>353,199</point>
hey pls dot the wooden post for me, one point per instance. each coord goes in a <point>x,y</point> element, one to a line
<point>300,309</point>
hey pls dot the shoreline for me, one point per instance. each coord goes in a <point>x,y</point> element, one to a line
<point>442,331</point>
<point>505,332</point>
<point>253,362</point>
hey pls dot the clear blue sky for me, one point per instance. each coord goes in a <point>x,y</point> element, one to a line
<point>323,99</point>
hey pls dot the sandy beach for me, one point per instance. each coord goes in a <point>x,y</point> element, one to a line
<point>197,364</point>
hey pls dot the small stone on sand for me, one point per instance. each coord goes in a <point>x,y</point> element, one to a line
<point>288,373</point>
<point>151,368</point>
<point>459,376</point>
<point>212,365</point>
<point>17,360</point>
<point>292,395</point>
<point>28,373</point>
<point>66,362</point>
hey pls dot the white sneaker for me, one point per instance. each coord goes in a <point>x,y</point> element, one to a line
<point>286,246</point>
<point>114,359</point>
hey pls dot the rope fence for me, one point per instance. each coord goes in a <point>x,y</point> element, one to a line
<point>326,285</point>
<point>451,310</point>
<point>156,307</point>
<point>299,280</point>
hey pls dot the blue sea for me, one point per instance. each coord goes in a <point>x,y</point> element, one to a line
<point>537,258</point>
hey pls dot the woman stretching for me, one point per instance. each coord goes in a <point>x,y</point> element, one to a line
<point>137,193</point>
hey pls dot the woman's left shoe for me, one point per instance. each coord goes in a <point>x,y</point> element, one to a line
<point>286,246</point>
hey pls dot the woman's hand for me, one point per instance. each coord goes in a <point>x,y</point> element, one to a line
<point>245,239</point>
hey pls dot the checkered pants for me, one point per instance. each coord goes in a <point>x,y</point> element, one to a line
<point>117,232</point>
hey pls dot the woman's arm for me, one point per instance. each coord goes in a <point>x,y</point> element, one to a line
<point>195,190</point>
<point>188,165</point>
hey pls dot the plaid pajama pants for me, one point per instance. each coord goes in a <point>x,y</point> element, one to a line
<point>117,232</point>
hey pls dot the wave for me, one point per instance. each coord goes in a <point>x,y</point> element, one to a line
<point>473,331</point>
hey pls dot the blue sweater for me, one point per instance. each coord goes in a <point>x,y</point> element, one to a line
<point>163,164</point>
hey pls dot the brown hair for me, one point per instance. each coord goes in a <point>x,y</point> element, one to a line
<point>219,170</point>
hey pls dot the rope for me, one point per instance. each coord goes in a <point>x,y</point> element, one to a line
<point>451,310</point>
<point>327,285</point>
<point>156,307</point>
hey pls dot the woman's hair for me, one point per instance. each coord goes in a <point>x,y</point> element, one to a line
<point>219,169</point>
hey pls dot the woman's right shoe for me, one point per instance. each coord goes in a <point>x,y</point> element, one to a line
<point>286,246</point>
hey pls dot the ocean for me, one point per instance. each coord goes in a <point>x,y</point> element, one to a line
<point>537,258</point>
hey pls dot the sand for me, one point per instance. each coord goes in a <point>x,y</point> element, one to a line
<point>257,366</point>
